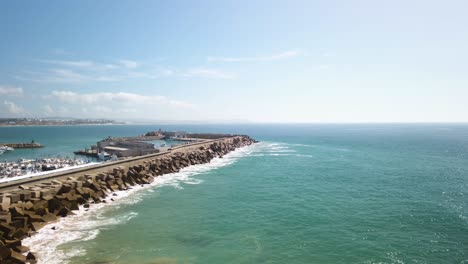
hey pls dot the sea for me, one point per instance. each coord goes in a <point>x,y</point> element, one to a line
<point>306,193</point>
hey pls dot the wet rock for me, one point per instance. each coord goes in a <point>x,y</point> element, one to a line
<point>37,225</point>
<point>21,249</point>
<point>49,217</point>
<point>5,252</point>
<point>17,257</point>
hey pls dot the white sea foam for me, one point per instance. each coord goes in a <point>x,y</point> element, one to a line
<point>87,223</point>
<point>279,149</point>
<point>304,145</point>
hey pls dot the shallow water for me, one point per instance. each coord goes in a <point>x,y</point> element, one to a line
<point>305,194</point>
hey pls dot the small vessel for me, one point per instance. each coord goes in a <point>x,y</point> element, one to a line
<point>163,145</point>
<point>2,151</point>
<point>6,148</point>
<point>104,155</point>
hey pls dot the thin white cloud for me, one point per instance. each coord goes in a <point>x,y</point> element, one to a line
<point>59,51</point>
<point>64,75</point>
<point>117,105</point>
<point>13,108</point>
<point>79,63</point>
<point>83,64</point>
<point>129,64</point>
<point>207,73</point>
<point>120,98</point>
<point>11,91</point>
<point>279,56</point>
<point>166,72</point>
<point>88,71</point>
<point>67,76</point>
<point>47,109</point>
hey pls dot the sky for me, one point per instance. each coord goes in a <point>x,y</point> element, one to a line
<point>235,61</point>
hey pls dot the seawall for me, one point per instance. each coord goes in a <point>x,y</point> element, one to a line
<point>22,145</point>
<point>27,205</point>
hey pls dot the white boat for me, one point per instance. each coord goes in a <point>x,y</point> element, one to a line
<point>104,155</point>
<point>6,148</point>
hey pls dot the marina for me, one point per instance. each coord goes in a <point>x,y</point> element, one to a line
<point>24,167</point>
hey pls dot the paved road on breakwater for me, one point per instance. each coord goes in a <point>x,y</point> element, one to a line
<point>102,167</point>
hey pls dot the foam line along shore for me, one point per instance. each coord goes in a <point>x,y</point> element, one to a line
<point>26,208</point>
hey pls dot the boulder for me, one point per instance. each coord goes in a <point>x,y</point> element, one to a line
<point>53,204</point>
<point>37,225</point>
<point>30,256</point>
<point>20,233</point>
<point>21,249</point>
<point>17,257</point>
<point>5,252</point>
<point>5,217</point>
<point>49,217</point>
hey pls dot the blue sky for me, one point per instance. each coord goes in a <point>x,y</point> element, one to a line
<point>231,61</point>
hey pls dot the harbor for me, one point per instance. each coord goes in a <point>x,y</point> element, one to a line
<point>122,147</point>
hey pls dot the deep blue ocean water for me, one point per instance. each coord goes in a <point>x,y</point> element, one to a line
<point>364,193</point>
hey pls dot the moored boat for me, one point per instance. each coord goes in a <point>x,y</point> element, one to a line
<point>104,155</point>
<point>6,148</point>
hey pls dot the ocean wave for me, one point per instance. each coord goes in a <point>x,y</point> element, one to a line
<point>86,223</point>
<point>294,155</point>
<point>282,151</point>
<point>304,145</point>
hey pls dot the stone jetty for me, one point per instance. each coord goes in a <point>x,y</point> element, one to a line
<point>26,208</point>
<point>22,145</point>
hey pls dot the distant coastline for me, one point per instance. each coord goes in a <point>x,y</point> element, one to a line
<point>19,122</point>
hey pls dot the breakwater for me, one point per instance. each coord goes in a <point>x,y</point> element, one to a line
<point>26,208</point>
<point>22,145</point>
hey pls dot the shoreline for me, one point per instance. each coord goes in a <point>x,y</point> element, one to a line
<point>31,207</point>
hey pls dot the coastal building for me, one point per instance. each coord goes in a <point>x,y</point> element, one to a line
<point>174,134</point>
<point>180,134</point>
<point>125,148</point>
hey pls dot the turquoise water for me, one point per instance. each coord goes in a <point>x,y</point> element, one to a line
<point>305,194</point>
